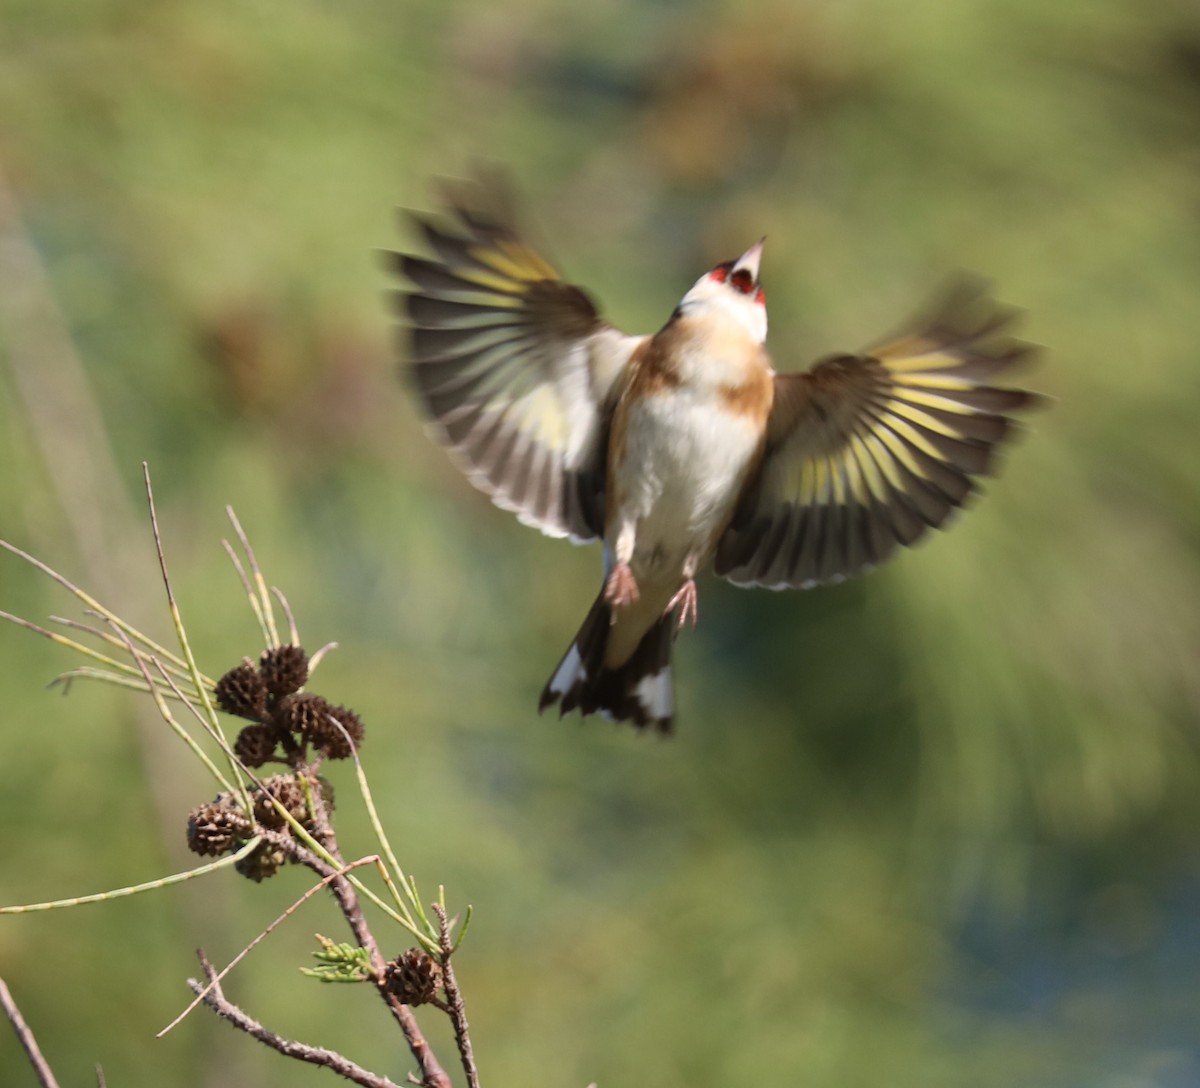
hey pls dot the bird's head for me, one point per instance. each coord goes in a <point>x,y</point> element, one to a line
<point>731,290</point>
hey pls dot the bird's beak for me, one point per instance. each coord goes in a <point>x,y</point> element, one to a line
<point>750,259</point>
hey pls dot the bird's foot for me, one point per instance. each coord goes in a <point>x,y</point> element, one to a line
<point>686,600</point>
<point>621,589</point>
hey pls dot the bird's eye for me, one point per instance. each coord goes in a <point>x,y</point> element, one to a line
<point>743,281</point>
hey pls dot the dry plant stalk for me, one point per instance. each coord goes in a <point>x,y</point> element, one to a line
<point>257,824</point>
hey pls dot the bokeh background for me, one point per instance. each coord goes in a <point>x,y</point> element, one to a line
<point>935,827</point>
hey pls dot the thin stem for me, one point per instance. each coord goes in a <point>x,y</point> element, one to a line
<point>456,1009</point>
<point>215,999</point>
<point>386,846</point>
<point>71,644</point>
<point>466,925</point>
<point>41,1067</point>
<point>251,596</point>
<point>112,640</point>
<point>94,605</point>
<point>293,631</point>
<point>315,659</point>
<point>164,712</point>
<point>198,678</point>
<point>319,851</point>
<point>135,889</point>
<point>324,882</point>
<point>85,672</point>
<point>260,583</point>
<point>432,1073</point>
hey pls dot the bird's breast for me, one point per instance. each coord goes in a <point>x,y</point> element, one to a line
<point>681,453</point>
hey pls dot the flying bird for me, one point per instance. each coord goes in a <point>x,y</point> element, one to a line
<point>685,445</point>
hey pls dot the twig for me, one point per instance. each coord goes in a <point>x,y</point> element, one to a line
<point>265,933</point>
<point>260,583</point>
<point>406,882</point>
<point>185,647</point>
<point>456,1008</point>
<point>70,434</point>
<point>251,596</point>
<point>313,845</point>
<point>293,632</point>
<point>432,1073</point>
<point>62,640</point>
<point>164,711</point>
<point>92,606</point>
<point>216,1000</point>
<point>315,660</point>
<point>133,889</point>
<point>45,1074</point>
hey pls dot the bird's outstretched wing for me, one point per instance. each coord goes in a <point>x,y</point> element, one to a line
<point>867,452</point>
<point>515,366</point>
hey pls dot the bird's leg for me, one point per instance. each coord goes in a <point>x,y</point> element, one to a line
<point>686,599</point>
<point>621,588</point>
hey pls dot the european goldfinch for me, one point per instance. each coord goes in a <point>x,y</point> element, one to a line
<point>685,445</point>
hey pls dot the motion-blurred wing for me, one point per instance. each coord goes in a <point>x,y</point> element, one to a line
<point>514,365</point>
<point>867,452</point>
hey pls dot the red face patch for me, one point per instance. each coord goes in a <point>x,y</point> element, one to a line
<point>739,279</point>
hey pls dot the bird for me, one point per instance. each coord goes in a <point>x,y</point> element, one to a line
<point>686,446</point>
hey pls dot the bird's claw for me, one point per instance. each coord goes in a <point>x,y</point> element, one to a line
<point>621,589</point>
<point>687,601</point>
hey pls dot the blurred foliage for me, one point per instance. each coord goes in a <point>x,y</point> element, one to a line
<point>931,828</point>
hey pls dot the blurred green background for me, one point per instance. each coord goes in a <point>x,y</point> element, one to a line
<point>936,827</point>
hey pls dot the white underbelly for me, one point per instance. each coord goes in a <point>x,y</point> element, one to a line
<point>684,464</point>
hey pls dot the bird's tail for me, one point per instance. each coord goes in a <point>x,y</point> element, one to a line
<point>638,691</point>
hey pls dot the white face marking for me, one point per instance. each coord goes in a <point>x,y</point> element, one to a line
<point>710,297</point>
<point>718,294</point>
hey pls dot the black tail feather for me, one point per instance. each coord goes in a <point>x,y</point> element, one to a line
<point>638,691</point>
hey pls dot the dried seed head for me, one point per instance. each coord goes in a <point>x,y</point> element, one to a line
<point>304,715</point>
<point>255,744</point>
<point>284,670</point>
<point>262,863</point>
<point>215,827</point>
<point>332,741</point>
<point>414,977</point>
<point>288,792</point>
<point>241,691</point>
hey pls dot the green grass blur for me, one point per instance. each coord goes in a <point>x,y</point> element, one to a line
<point>936,827</point>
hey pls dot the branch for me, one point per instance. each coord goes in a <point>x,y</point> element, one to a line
<point>455,1007</point>
<point>215,999</point>
<point>432,1073</point>
<point>262,936</point>
<point>45,1074</point>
